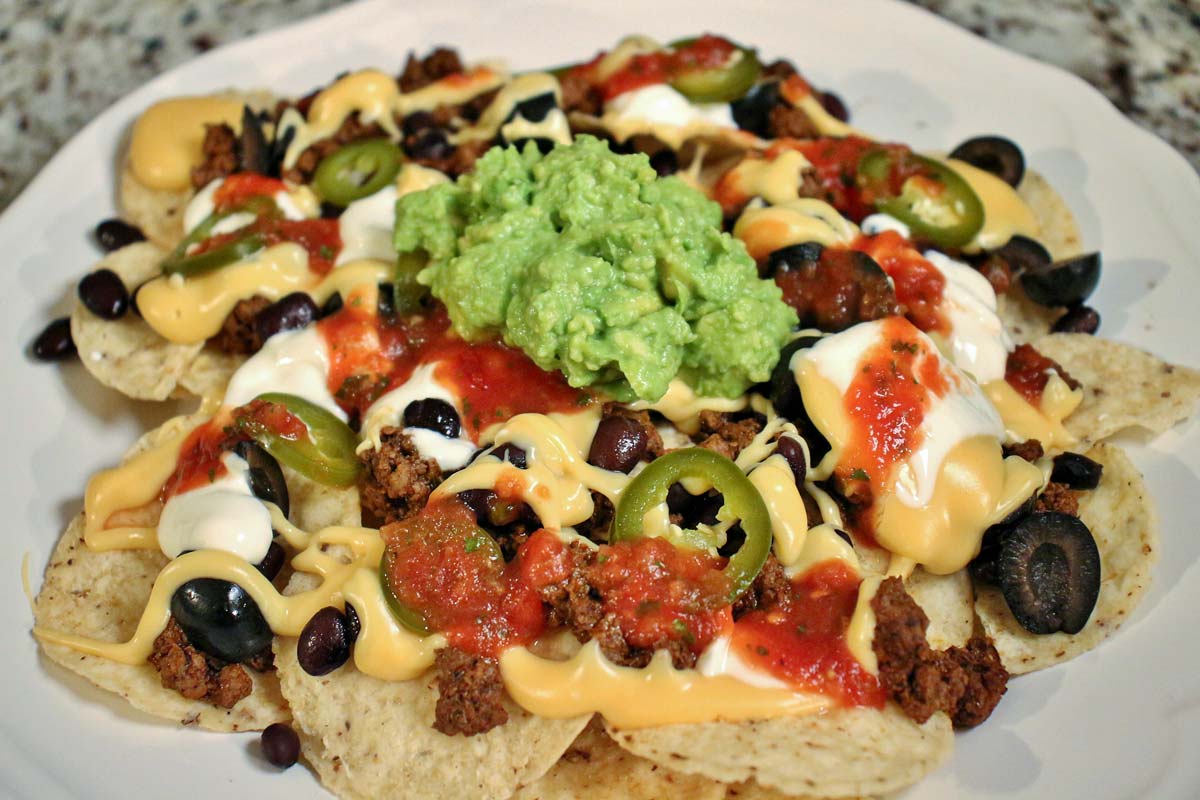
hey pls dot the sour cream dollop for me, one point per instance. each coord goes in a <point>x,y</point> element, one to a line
<point>224,515</point>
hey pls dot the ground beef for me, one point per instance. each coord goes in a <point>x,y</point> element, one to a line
<point>768,589</point>
<point>420,72</point>
<point>220,155</point>
<point>1058,497</point>
<point>237,334</point>
<point>721,433</point>
<point>578,94</point>
<point>839,289</point>
<point>397,480</point>
<point>790,122</point>
<point>654,442</point>
<point>470,693</point>
<point>194,674</point>
<point>575,604</point>
<point>965,682</point>
<point>1030,450</point>
<point>351,130</point>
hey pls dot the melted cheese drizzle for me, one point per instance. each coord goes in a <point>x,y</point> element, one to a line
<point>168,136</point>
<point>191,310</point>
<point>682,406</point>
<point>1044,422</point>
<point>1005,214</point>
<point>766,229</point>
<point>775,180</point>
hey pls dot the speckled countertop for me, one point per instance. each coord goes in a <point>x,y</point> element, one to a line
<point>64,61</point>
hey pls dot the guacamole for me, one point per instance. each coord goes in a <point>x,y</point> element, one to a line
<point>592,265</point>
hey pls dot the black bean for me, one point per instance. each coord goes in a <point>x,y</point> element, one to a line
<point>280,744</point>
<point>332,305</point>
<point>619,444</point>
<point>104,294</point>
<point>665,162</point>
<point>54,343</point>
<point>431,144</point>
<point>433,414</point>
<point>1076,471</point>
<point>353,623</point>
<point>834,105</point>
<point>478,500</point>
<point>273,561</point>
<point>324,644</point>
<point>793,452</point>
<point>290,312</point>
<point>512,454</point>
<point>113,234</point>
<point>1080,319</point>
<point>221,619</point>
<point>752,112</point>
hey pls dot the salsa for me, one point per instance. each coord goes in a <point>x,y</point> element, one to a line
<point>919,284</point>
<point>320,238</point>
<point>802,639</point>
<point>1028,371</point>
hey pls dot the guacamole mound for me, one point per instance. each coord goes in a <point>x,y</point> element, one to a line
<point>592,265</point>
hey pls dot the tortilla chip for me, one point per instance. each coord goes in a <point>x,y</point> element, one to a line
<point>1122,518</point>
<point>126,354</point>
<point>159,212</point>
<point>209,373</point>
<point>1060,231</point>
<point>102,595</point>
<point>368,738</point>
<point>948,602</point>
<point>1123,387</point>
<point>843,753</point>
<point>1025,320</point>
<point>595,768</point>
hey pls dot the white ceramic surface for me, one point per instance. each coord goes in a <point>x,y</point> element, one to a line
<point>1116,723</point>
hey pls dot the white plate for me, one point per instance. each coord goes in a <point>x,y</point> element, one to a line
<point>1118,722</point>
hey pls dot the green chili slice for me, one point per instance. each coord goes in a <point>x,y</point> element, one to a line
<point>407,293</point>
<point>325,456</point>
<point>406,615</point>
<point>718,84</point>
<point>650,487</point>
<point>209,260</point>
<point>357,170</point>
<point>948,218</point>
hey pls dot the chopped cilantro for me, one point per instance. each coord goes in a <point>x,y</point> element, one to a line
<point>901,346</point>
<point>326,252</point>
<point>860,474</point>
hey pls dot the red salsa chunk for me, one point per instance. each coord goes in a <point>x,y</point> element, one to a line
<point>802,639</point>
<point>919,284</point>
<point>1028,371</point>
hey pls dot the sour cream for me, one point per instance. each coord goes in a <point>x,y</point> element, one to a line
<point>224,515</point>
<point>450,453</point>
<point>977,343</point>
<point>296,204</point>
<point>366,228</point>
<point>292,362</point>
<point>961,413</point>
<point>662,105</point>
<point>876,224</point>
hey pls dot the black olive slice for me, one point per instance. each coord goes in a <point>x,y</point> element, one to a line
<point>512,454</point>
<point>993,154</point>
<point>266,476</point>
<point>543,145</point>
<point>1049,572</point>
<point>983,566</point>
<point>752,111</point>
<point>1024,254</point>
<point>794,257</point>
<point>1063,283</point>
<point>1076,471</point>
<point>534,108</point>
<point>219,618</point>
<point>784,394</point>
<point>255,155</point>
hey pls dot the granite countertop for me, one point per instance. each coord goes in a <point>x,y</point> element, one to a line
<point>64,61</point>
